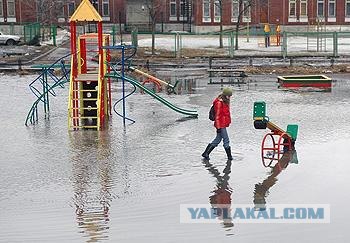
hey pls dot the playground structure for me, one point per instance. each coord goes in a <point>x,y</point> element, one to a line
<point>158,82</point>
<point>271,35</point>
<point>89,100</point>
<point>52,76</point>
<point>89,104</point>
<point>278,141</point>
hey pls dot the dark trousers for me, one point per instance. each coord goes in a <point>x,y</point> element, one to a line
<point>267,40</point>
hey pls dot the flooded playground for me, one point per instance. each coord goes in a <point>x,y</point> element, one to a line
<point>127,184</point>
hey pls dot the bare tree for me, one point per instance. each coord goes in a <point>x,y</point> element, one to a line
<point>244,8</point>
<point>153,7</point>
<point>219,5</point>
<point>47,11</point>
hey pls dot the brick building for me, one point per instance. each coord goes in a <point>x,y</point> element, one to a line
<point>188,15</point>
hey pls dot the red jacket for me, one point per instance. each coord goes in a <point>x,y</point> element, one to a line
<point>222,114</point>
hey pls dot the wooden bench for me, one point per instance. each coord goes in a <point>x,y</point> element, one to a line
<point>227,72</point>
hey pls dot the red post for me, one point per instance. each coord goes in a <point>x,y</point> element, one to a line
<point>83,55</point>
<point>73,46</point>
<point>101,78</point>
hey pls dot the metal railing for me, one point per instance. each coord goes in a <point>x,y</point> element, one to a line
<point>44,85</point>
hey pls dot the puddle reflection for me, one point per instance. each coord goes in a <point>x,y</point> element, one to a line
<point>92,183</point>
<point>261,190</point>
<point>186,86</point>
<point>220,199</point>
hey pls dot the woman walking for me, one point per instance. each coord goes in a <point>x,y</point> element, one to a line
<point>222,120</point>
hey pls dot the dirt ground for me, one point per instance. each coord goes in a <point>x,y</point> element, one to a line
<point>11,55</point>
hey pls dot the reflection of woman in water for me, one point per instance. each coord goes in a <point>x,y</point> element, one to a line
<point>262,189</point>
<point>221,199</point>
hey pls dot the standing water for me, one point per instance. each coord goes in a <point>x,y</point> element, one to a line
<point>127,184</point>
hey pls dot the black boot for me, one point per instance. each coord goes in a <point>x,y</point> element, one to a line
<point>208,150</point>
<point>228,152</point>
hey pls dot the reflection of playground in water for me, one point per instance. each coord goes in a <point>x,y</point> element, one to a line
<point>221,197</point>
<point>92,184</point>
<point>261,190</point>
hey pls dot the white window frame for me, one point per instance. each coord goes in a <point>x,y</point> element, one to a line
<point>332,17</point>
<point>70,13</point>
<point>1,8</point>
<point>323,8</point>
<point>172,6</point>
<point>60,10</point>
<point>247,12</point>
<point>217,15</point>
<point>347,14</point>
<point>60,6</point>
<point>206,18</point>
<point>11,15</point>
<point>303,17</point>
<point>334,9</point>
<point>234,10</point>
<point>97,5</point>
<point>183,13</point>
<point>292,18</point>
<point>105,3</point>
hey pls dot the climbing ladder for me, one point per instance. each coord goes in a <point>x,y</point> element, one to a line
<point>89,95</point>
<point>317,35</point>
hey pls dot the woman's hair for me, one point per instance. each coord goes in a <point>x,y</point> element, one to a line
<point>224,99</point>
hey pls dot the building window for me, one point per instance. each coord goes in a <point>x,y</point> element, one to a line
<point>183,12</point>
<point>71,8</point>
<point>347,8</point>
<point>320,8</point>
<point>59,9</point>
<point>105,8</point>
<point>11,8</point>
<point>1,9</point>
<point>303,8</point>
<point>217,11</point>
<point>182,8</point>
<point>172,8</point>
<point>292,8</point>
<point>96,5</point>
<point>235,11</point>
<point>246,14</point>
<point>206,11</point>
<point>331,8</point>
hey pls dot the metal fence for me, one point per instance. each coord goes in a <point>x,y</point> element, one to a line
<point>315,43</point>
<point>289,44</point>
<point>179,44</point>
<point>38,31</point>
